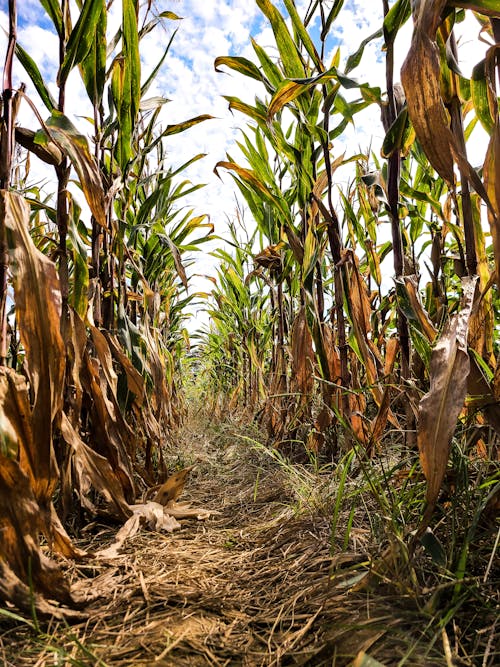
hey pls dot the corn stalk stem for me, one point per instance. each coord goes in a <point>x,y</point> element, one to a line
<point>335,242</point>
<point>62,172</point>
<point>6,133</point>
<point>393,179</point>
<point>467,220</point>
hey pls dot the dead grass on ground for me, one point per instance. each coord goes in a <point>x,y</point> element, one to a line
<point>254,585</point>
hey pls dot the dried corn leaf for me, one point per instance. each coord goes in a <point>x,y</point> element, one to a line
<point>22,560</point>
<point>93,470</point>
<point>391,350</point>
<point>440,407</point>
<point>420,76</point>
<point>173,487</point>
<point>134,379</point>
<point>418,311</point>
<point>360,311</point>
<point>38,300</point>
<point>302,354</point>
<point>492,184</point>
<point>152,515</point>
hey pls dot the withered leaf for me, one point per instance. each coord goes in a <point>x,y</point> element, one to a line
<point>440,407</point>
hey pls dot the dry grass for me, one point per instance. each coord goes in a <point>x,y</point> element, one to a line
<point>255,585</point>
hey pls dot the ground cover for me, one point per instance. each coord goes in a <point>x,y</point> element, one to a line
<point>262,581</point>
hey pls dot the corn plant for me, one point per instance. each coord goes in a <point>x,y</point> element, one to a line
<point>416,349</point>
<point>99,297</point>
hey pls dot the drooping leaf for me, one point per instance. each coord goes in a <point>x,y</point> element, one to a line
<point>440,407</point>
<point>420,76</point>
<point>38,303</point>
<point>48,152</point>
<point>76,147</point>
<point>22,559</point>
<point>94,470</point>
<point>355,58</point>
<point>240,65</point>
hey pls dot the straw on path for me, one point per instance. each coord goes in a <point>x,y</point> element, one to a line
<point>254,585</point>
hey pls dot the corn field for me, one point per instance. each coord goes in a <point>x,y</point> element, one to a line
<point>346,313</point>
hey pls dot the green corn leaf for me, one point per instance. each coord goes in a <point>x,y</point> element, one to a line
<point>354,59</point>
<point>34,73</point>
<point>486,7</point>
<point>131,54</point>
<point>152,76</point>
<point>53,9</point>
<point>398,14</point>
<point>126,83</point>
<point>250,179</point>
<point>80,282</point>
<point>120,87</point>
<point>235,104</point>
<point>394,138</point>
<point>290,90</point>
<point>240,65</point>
<point>93,66</point>
<point>170,15</point>
<point>81,38</point>
<point>334,12</point>
<point>180,127</point>
<point>289,54</point>
<point>269,67</point>
<point>303,34</point>
<point>479,94</point>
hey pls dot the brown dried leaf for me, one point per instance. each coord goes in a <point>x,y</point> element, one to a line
<point>38,304</point>
<point>420,76</point>
<point>391,350</point>
<point>302,353</point>
<point>96,469</point>
<point>112,434</point>
<point>152,515</point>
<point>360,305</point>
<point>22,596</point>
<point>357,408</point>
<point>134,379</point>
<point>411,286</point>
<point>22,559</point>
<point>440,407</point>
<point>173,487</point>
<point>492,184</point>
